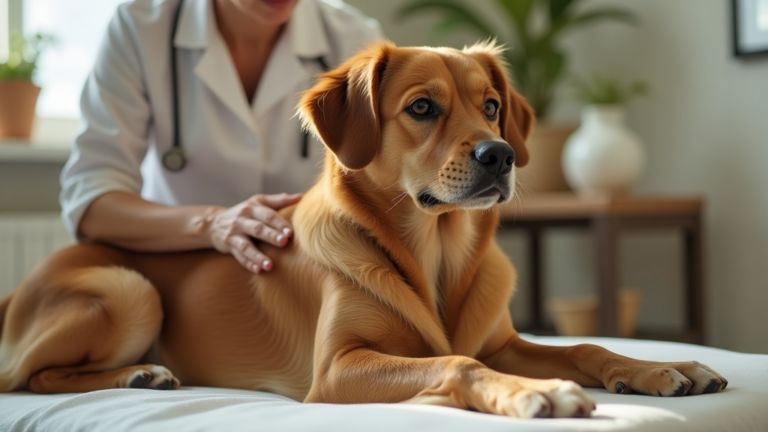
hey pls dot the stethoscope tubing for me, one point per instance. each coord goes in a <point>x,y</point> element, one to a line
<point>174,159</point>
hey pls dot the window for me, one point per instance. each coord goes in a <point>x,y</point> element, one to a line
<point>79,27</point>
<point>3,30</point>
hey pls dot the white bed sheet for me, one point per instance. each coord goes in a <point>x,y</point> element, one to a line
<point>741,407</point>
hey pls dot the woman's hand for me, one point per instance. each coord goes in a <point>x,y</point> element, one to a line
<point>231,230</point>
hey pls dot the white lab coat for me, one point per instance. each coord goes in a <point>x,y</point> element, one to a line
<point>233,149</point>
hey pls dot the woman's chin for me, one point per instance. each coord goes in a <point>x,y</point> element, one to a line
<point>279,4</point>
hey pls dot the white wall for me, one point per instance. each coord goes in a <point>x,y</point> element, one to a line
<point>705,126</point>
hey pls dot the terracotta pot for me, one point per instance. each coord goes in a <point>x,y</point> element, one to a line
<point>544,172</point>
<point>18,99</point>
<point>573,316</point>
<point>576,316</point>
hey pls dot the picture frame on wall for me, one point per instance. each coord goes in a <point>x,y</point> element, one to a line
<point>750,27</point>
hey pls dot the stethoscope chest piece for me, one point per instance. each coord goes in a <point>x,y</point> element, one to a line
<point>174,160</point>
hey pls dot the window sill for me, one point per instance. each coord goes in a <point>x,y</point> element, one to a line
<point>51,142</point>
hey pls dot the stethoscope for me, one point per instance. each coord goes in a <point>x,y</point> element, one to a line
<point>174,159</point>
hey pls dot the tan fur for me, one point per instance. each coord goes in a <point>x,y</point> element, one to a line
<point>379,298</point>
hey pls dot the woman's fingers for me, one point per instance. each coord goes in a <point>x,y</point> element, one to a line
<point>276,229</point>
<point>261,231</point>
<point>248,255</point>
<point>257,218</point>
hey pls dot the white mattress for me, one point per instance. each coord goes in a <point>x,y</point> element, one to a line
<point>741,407</point>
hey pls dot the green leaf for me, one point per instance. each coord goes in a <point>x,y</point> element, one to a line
<point>23,55</point>
<point>605,14</point>
<point>600,90</point>
<point>552,62</point>
<point>454,12</point>
<point>447,25</point>
<point>558,7</point>
<point>567,21</point>
<point>518,10</point>
<point>518,68</point>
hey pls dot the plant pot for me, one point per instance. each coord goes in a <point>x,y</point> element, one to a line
<point>603,157</point>
<point>544,172</point>
<point>577,316</point>
<point>573,316</point>
<point>18,99</point>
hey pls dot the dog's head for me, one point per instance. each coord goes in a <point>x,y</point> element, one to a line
<point>443,124</point>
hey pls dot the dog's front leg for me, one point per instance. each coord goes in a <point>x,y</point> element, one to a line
<point>365,352</point>
<point>594,366</point>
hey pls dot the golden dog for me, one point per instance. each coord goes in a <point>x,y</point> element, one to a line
<point>393,289</point>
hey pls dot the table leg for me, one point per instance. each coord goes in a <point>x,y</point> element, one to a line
<point>535,257</point>
<point>694,285</point>
<point>607,261</point>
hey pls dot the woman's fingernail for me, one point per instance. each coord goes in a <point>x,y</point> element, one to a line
<point>265,264</point>
<point>255,268</point>
<point>286,231</point>
<point>280,238</point>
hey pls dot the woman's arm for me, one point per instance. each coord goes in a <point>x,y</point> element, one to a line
<point>126,220</point>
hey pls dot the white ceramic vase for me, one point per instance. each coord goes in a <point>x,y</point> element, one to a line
<point>603,157</point>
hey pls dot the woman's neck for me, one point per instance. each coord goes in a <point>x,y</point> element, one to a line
<point>249,42</point>
<point>239,29</point>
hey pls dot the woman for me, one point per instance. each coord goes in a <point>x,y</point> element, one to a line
<point>240,66</point>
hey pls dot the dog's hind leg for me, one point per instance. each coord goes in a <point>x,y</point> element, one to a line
<point>82,330</point>
<point>81,379</point>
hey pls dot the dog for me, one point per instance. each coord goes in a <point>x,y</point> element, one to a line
<point>392,290</point>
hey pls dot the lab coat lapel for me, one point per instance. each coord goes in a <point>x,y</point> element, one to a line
<point>197,30</point>
<point>218,73</point>
<point>303,38</point>
<point>282,77</point>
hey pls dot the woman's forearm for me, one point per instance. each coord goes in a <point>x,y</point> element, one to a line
<point>126,220</point>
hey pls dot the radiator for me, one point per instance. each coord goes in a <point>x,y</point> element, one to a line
<point>25,240</point>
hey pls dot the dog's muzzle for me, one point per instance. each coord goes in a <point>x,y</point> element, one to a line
<point>494,161</point>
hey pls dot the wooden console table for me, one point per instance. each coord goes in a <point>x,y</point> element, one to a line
<point>606,219</point>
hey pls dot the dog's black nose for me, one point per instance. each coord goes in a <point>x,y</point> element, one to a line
<point>496,157</point>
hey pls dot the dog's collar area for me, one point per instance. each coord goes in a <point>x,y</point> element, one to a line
<point>427,200</point>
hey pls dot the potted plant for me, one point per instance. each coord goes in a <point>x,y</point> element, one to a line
<point>603,156</point>
<point>18,94</point>
<point>537,63</point>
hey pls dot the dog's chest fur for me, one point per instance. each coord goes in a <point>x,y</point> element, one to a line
<point>442,247</point>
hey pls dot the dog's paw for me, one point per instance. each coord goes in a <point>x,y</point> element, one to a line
<point>668,379</point>
<point>704,379</point>
<point>153,377</point>
<point>551,399</point>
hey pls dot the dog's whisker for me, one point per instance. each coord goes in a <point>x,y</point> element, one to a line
<point>403,195</point>
<point>399,196</point>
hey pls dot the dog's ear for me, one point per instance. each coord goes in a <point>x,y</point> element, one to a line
<point>516,117</point>
<point>343,107</point>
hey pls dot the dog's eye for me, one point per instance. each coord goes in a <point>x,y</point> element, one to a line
<point>490,109</point>
<point>421,108</point>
